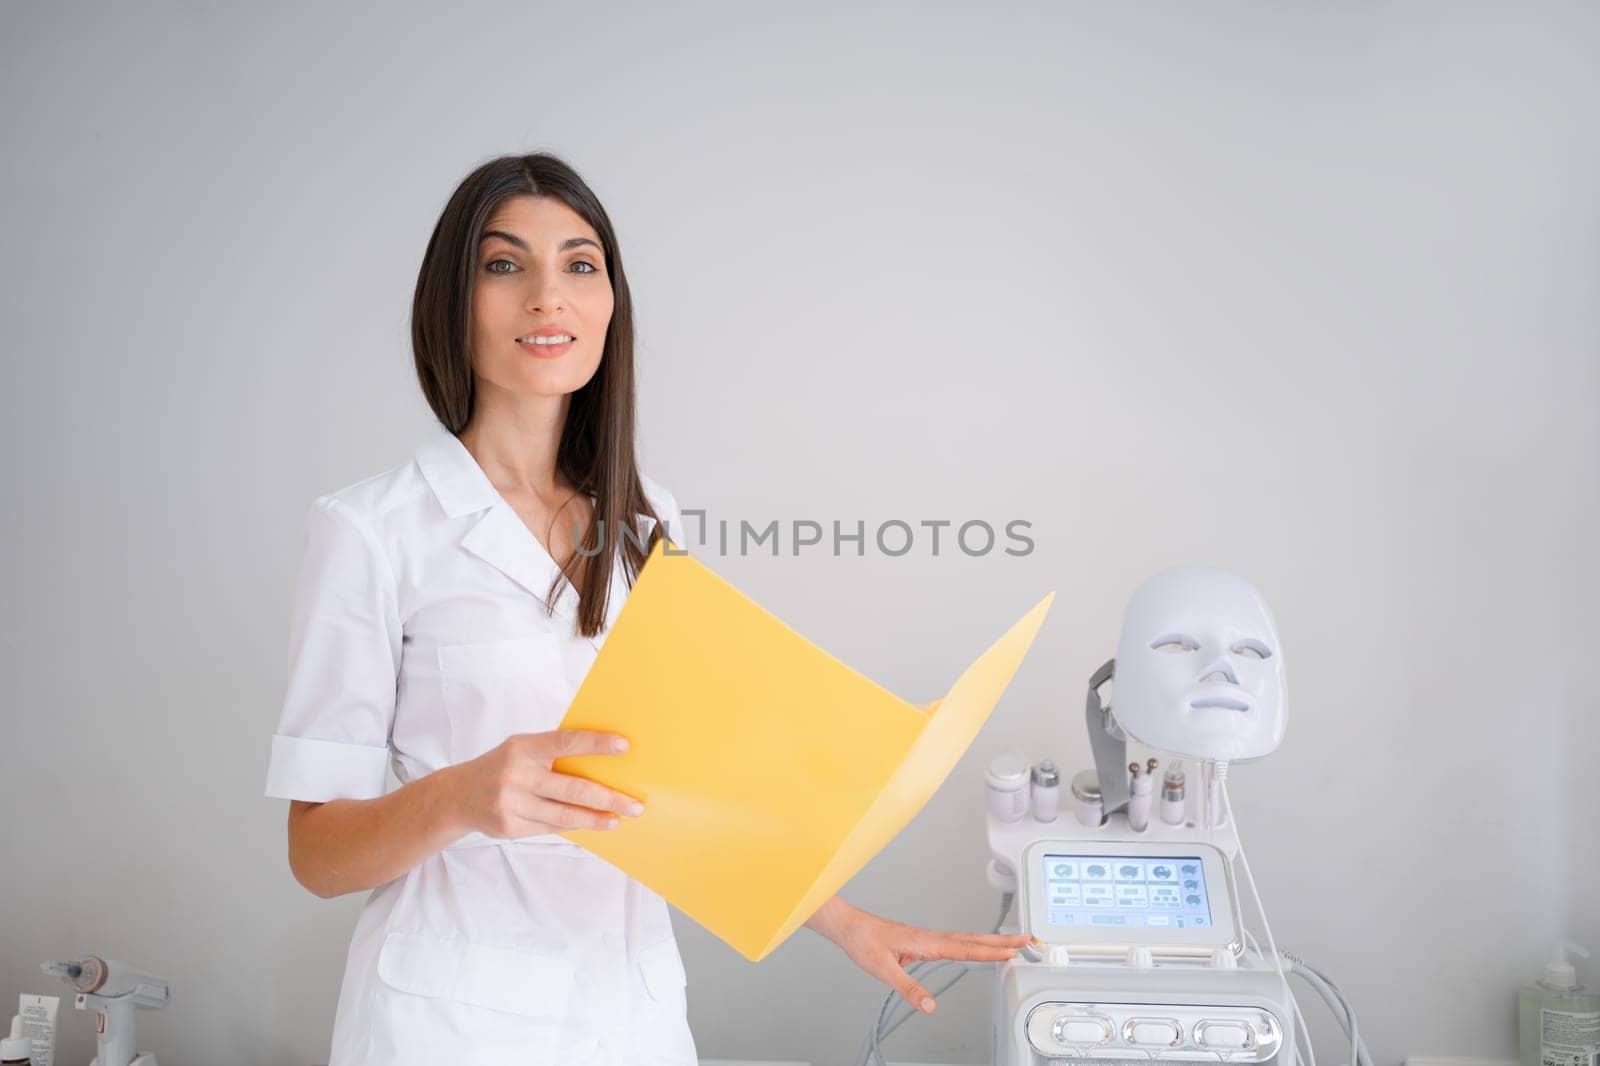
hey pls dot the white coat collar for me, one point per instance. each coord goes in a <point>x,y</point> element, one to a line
<point>500,537</point>
<point>454,475</point>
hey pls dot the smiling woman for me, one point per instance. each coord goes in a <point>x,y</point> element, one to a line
<point>524,251</point>
<point>539,296</point>
<point>444,619</point>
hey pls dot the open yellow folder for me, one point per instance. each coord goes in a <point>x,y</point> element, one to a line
<point>770,771</point>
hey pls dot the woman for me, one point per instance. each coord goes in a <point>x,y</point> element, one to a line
<point>446,612</point>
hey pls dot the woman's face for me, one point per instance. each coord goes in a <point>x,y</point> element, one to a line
<point>541,271</point>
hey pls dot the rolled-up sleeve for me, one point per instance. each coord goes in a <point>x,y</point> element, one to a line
<point>332,740</point>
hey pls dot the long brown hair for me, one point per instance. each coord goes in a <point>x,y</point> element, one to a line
<point>597,441</point>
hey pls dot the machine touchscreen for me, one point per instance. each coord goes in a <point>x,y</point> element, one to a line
<point>1173,897</point>
<point>1132,891</point>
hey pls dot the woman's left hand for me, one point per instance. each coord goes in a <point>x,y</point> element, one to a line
<point>883,947</point>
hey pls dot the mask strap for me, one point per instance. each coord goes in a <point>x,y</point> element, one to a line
<point>1109,744</point>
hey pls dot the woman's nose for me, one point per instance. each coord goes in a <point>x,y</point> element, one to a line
<point>545,294</point>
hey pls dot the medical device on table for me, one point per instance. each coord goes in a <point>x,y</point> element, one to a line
<point>114,990</point>
<point>1141,947</point>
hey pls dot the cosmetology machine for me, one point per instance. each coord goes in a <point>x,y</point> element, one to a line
<point>1141,950</point>
<point>114,991</point>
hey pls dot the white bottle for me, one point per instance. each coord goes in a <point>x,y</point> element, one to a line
<point>16,1049</point>
<point>1141,794</point>
<point>1560,1022</point>
<point>1046,791</point>
<point>1087,799</point>
<point>1007,788</point>
<point>1174,804</point>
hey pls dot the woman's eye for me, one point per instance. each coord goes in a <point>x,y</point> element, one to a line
<point>1252,649</point>
<point>511,268</point>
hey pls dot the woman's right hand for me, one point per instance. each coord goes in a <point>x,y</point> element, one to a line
<point>511,791</point>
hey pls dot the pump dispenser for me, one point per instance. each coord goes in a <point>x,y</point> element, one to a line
<point>1559,1019</point>
<point>16,1048</point>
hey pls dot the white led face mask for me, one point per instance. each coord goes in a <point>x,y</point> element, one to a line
<point>1199,669</point>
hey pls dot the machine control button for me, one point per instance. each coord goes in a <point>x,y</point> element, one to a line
<point>1152,1032</point>
<point>1091,1029</point>
<point>1238,1036</point>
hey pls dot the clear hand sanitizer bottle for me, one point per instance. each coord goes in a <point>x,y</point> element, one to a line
<point>1560,1021</point>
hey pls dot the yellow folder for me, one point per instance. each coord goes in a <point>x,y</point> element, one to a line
<point>770,771</point>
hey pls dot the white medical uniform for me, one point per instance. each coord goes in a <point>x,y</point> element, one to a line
<point>420,639</point>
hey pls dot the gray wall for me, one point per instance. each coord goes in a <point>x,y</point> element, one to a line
<point>1304,291</point>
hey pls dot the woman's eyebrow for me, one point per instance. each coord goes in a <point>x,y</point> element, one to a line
<point>512,238</point>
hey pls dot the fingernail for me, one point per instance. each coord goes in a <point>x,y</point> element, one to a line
<point>927,1004</point>
<point>612,823</point>
<point>636,809</point>
<point>618,744</point>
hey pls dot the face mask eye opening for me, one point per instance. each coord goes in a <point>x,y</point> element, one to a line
<point>1252,649</point>
<point>1173,643</point>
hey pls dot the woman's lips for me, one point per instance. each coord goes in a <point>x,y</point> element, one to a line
<point>546,351</point>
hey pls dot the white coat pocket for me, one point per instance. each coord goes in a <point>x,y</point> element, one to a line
<point>446,1000</point>
<point>492,690</point>
<point>660,1035</point>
